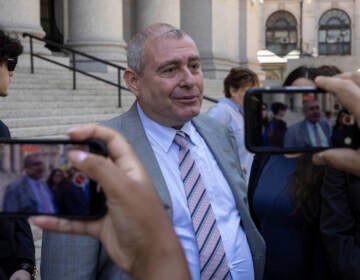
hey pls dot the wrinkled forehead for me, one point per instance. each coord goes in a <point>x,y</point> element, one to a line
<point>157,46</point>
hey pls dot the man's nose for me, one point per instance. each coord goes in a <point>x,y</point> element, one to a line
<point>11,73</point>
<point>187,78</point>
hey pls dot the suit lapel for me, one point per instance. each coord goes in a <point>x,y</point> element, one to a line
<point>221,147</point>
<point>133,130</point>
<point>304,131</point>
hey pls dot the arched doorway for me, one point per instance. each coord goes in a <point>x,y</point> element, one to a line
<point>49,23</point>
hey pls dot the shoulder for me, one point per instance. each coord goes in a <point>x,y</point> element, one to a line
<point>219,109</point>
<point>203,120</point>
<point>297,126</point>
<point>118,121</point>
<point>4,130</point>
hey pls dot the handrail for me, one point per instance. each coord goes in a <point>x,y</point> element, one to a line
<point>74,69</point>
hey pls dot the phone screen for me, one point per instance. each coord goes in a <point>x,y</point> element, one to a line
<point>296,119</point>
<point>36,177</point>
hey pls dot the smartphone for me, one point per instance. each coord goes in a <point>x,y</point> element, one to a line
<point>296,120</point>
<point>36,178</point>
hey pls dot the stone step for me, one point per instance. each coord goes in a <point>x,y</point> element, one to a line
<point>65,95</point>
<point>53,131</point>
<point>56,120</point>
<point>50,112</point>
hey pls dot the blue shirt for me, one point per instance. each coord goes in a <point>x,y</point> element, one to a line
<point>221,198</point>
<point>229,113</point>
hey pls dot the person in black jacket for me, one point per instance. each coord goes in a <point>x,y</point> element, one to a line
<point>17,251</point>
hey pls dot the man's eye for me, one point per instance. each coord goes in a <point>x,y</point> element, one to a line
<point>169,71</point>
<point>195,66</point>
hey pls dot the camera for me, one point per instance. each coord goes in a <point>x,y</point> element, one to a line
<point>38,179</point>
<point>299,121</point>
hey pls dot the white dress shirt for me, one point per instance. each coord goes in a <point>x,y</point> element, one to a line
<point>236,247</point>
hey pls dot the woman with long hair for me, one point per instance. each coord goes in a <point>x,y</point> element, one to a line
<point>284,199</point>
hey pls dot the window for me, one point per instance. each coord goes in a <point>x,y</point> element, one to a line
<point>281,33</point>
<point>334,33</point>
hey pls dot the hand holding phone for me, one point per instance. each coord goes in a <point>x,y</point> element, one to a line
<point>136,226</point>
<point>299,123</point>
<point>37,178</point>
<point>346,87</point>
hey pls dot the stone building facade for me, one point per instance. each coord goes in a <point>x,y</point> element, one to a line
<point>261,34</point>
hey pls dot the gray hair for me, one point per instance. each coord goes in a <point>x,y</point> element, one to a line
<point>136,57</point>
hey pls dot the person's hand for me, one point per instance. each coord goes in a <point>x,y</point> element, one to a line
<point>136,231</point>
<point>20,275</point>
<point>346,87</point>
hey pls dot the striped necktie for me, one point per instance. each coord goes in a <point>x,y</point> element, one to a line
<point>317,135</point>
<point>213,264</point>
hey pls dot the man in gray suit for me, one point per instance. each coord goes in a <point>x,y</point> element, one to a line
<point>164,74</point>
<point>311,132</point>
<point>30,194</point>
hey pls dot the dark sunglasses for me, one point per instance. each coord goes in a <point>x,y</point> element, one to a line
<point>11,63</point>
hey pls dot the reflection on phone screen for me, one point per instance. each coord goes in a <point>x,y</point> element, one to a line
<point>38,179</point>
<point>298,121</point>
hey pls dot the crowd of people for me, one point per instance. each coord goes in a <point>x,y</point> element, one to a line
<point>186,200</point>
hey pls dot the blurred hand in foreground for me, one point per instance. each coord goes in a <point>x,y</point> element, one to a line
<point>346,87</point>
<point>136,231</point>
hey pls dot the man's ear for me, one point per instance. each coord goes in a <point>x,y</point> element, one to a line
<point>132,81</point>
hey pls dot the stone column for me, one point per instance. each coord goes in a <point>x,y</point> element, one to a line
<point>250,40</point>
<point>211,23</point>
<point>152,11</point>
<point>95,28</point>
<point>310,41</point>
<point>355,48</point>
<point>19,16</point>
<point>200,29</point>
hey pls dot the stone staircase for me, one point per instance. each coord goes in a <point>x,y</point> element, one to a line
<point>44,105</point>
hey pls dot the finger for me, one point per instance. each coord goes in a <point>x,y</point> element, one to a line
<point>66,226</point>
<point>117,145</point>
<point>347,160</point>
<point>113,177</point>
<point>346,90</point>
<point>354,76</point>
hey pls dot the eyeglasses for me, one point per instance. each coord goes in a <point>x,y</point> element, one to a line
<point>11,63</point>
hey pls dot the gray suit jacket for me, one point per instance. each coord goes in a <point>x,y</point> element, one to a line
<point>20,197</point>
<point>297,135</point>
<point>83,252</point>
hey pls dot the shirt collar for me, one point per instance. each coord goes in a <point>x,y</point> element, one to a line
<point>163,135</point>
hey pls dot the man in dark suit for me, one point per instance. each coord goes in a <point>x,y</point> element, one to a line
<point>311,132</point>
<point>17,251</point>
<point>164,73</point>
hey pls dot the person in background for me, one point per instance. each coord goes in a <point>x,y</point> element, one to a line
<point>192,160</point>
<point>30,193</point>
<point>277,127</point>
<point>230,109</point>
<point>312,131</point>
<point>284,200</point>
<point>17,253</point>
